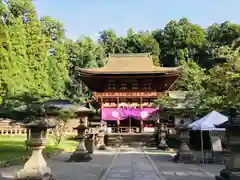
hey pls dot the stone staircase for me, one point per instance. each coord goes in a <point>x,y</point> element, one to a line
<point>152,142</point>
<point>131,140</point>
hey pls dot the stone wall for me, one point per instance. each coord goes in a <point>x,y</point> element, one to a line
<point>16,129</point>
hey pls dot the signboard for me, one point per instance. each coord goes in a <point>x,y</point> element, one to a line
<point>217,150</point>
<point>126,94</point>
<point>148,129</point>
<point>216,144</point>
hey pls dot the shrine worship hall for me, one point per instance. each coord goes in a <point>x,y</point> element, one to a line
<point>125,89</point>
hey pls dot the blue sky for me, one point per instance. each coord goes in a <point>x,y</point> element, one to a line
<point>87,18</point>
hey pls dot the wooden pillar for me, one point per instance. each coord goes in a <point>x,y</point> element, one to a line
<point>118,122</point>
<point>130,125</point>
<point>141,120</point>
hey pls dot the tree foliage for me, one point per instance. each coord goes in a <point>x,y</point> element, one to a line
<point>63,117</point>
<point>37,58</point>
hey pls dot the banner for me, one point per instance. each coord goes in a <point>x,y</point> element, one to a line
<point>123,113</point>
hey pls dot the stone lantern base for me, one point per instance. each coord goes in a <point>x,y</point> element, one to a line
<point>35,168</point>
<point>162,145</point>
<point>80,154</point>
<point>227,175</point>
<point>184,154</point>
<point>38,177</point>
<point>100,142</point>
<point>184,157</point>
<point>89,143</point>
<point>101,147</point>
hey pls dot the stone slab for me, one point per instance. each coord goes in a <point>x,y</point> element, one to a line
<point>168,173</point>
<point>181,174</point>
<point>197,171</point>
<point>209,174</point>
<point>120,174</point>
<point>132,166</point>
<point>199,174</point>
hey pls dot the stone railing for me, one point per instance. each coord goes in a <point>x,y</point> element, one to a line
<point>13,131</point>
<point>8,129</point>
<point>19,131</point>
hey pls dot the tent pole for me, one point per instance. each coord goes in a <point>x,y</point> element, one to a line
<point>202,146</point>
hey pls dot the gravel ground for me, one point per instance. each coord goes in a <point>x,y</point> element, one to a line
<point>62,170</point>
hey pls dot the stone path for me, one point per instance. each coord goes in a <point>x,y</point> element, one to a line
<point>180,171</point>
<point>191,175</point>
<point>133,165</point>
<point>126,164</point>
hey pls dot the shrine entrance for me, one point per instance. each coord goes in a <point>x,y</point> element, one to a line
<point>130,125</point>
<point>126,120</point>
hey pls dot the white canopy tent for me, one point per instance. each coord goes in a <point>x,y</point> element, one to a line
<point>207,123</point>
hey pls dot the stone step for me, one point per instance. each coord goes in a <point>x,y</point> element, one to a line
<point>139,140</point>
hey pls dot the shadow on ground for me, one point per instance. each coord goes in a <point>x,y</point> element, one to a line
<point>63,170</point>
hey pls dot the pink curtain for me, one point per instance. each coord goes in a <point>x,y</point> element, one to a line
<point>123,113</point>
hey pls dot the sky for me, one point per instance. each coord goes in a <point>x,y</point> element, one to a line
<point>89,17</point>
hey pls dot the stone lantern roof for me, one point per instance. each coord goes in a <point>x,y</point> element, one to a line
<point>65,105</point>
<point>183,125</point>
<point>40,123</point>
<point>234,119</point>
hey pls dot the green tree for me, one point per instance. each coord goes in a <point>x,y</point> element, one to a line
<point>192,82</point>
<point>36,45</point>
<point>223,34</point>
<point>61,120</point>
<point>178,36</point>
<point>108,39</point>
<point>20,72</point>
<point>5,49</point>
<point>222,88</point>
<point>143,42</point>
<point>83,53</point>
<point>58,57</point>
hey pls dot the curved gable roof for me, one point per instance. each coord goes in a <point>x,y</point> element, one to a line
<point>129,64</point>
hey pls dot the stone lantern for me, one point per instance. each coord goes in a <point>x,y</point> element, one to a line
<point>81,153</point>
<point>100,142</point>
<point>232,165</point>
<point>36,166</point>
<point>184,153</point>
<point>162,135</point>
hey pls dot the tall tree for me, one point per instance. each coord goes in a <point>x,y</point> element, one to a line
<point>143,42</point>
<point>83,53</point>
<point>58,57</point>
<point>179,36</point>
<point>36,43</point>
<point>222,88</point>
<point>21,74</point>
<point>192,82</point>
<point>5,48</point>
<point>111,43</point>
<point>223,34</point>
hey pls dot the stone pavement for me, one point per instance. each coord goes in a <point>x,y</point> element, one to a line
<point>131,165</point>
<point>180,171</point>
<point>126,164</point>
